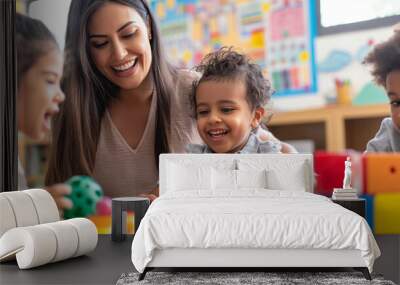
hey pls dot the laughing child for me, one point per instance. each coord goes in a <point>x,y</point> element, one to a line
<point>228,103</point>
<point>385,60</point>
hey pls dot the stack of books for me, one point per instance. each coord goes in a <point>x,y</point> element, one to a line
<point>344,194</point>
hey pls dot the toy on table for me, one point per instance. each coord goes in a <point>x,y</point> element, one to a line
<point>120,208</point>
<point>347,192</point>
<point>102,217</point>
<point>103,207</point>
<point>85,194</point>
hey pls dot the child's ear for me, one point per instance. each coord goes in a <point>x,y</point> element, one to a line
<point>258,115</point>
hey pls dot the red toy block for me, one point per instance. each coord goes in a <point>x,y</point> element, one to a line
<point>329,171</point>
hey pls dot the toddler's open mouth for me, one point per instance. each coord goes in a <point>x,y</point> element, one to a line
<point>217,133</point>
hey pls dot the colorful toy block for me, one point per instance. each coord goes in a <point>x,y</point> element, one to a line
<point>382,173</point>
<point>387,213</point>
<point>328,168</point>
<point>103,223</point>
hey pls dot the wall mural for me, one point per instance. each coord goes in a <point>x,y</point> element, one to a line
<point>277,34</point>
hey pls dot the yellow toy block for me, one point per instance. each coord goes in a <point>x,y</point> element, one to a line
<point>382,173</point>
<point>103,231</point>
<point>130,223</point>
<point>387,213</point>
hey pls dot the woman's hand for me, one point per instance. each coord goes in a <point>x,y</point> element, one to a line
<point>151,196</point>
<point>58,192</point>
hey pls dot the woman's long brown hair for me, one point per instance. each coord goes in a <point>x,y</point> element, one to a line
<point>76,129</point>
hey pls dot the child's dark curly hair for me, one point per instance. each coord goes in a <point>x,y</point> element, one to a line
<point>385,57</point>
<point>227,64</point>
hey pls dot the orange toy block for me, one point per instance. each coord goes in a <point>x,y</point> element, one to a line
<point>103,223</point>
<point>387,213</point>
<point>382,173</point>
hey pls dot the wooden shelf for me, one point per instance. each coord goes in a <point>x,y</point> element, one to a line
<point>333,128</point>
<point>33,157</point>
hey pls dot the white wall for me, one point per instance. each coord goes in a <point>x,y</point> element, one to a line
<point>358,73</point>
<point>54,14</point>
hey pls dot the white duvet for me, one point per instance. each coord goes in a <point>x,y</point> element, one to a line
<point>250,218</point>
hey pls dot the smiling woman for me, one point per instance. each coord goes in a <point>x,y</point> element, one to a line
<point>121,53</point>
<point>125,103</point>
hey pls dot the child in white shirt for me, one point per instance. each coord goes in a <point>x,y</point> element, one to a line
<point>385,59</point>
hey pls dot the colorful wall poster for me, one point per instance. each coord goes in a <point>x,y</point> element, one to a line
<point>277,34</point>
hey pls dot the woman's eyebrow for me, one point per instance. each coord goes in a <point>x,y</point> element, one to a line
<point>120,29</point>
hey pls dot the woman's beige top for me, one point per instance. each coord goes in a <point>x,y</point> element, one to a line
<point>123,171</point>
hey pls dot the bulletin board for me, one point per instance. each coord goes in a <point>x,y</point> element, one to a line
<point>276,34</point>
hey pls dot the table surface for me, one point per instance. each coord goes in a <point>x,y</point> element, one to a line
<point>104,265</point>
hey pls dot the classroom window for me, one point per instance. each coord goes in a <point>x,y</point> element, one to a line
<point>337,16</point>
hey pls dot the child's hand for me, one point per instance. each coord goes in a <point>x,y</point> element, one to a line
<point>287,148</point>
<point>264,135</point>
<point>58,192</point>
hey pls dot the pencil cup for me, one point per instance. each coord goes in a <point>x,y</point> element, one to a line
<point>343,94</point>
<point>120,206</point>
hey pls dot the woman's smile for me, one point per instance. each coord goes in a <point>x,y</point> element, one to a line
<point>126,69</point>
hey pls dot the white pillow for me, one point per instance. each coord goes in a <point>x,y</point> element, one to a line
<point>251,178</point>
<point>224,179</point>
<point>295,180</point>
<point>281,173</point>
<point>188,177</point>
<point>227,179</point>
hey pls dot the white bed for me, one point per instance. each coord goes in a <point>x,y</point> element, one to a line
<point>247,211</point>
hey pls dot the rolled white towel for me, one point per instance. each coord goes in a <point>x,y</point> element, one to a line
<point>87,235</point>
<point>26,208</point>
<point>32,246</point>
<point>45,205</point>
<point>22,207</point>
<point>7,217</point>
<point>40,244</point>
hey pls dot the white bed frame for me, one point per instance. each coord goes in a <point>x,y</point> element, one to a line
<point>253,258</point>
<point>234,257</point>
